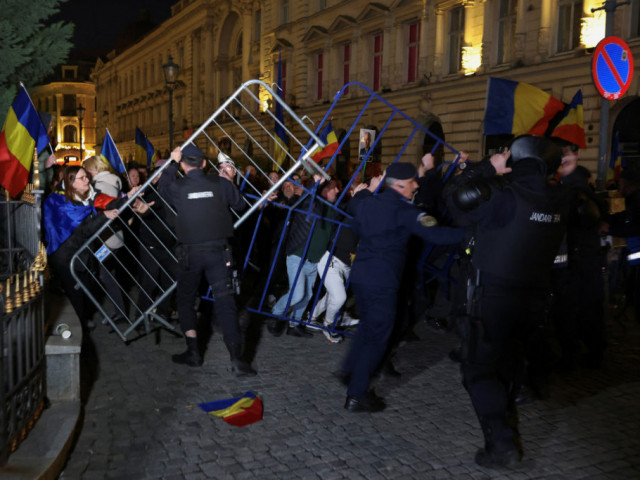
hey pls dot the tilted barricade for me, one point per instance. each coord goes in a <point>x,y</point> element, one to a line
<point>145,277</point>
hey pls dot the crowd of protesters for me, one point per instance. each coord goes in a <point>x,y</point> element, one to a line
<point>502,223</point>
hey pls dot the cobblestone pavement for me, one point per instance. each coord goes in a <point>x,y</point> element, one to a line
<point>141,419</point>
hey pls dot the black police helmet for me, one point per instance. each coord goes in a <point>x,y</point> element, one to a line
<point>529,147</point>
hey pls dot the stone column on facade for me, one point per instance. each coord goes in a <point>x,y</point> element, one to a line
<point>196,62</point>
<point>439,43</point>
<point>247,24</point>
<point>208,67</point>
<point>520,34</point>
<point>423,60</point>
<point>544,33</point>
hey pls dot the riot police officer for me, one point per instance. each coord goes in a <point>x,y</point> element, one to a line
<point>519,222</point>
<point>203,226</point>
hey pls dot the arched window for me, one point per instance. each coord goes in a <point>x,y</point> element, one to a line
<point>70,134</point>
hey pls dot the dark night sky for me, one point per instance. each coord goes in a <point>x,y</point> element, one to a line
<point>98,23</point>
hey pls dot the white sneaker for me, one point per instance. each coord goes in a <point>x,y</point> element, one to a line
<point>332,336</point>
<point>315,324</point>
<point>350,321</point>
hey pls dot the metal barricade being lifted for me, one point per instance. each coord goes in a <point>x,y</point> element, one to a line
<point>132,285</point>
<point>141,276</point>
<point>401,134</point>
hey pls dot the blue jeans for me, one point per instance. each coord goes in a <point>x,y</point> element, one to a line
<point>300,292</point>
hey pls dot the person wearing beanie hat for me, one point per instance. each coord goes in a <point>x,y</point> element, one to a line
<point>519,220</point>
<point>203,225</point>
<point>384,223</point>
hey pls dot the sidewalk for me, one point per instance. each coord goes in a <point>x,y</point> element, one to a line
<point>141,419</point>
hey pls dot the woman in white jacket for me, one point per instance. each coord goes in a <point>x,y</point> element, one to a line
<point>110,184</point>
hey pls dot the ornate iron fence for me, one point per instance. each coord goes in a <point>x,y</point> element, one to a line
<point>22,325</point>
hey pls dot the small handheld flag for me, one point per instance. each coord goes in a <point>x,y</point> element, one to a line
<point>110,154</point>
<point>328,135</point>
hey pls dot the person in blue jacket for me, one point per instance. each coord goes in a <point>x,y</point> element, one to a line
<point>384,223</point>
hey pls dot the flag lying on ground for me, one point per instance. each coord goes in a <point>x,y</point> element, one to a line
<point>281,140</point>
<point>517,108</point>
<point>145,153</point>
<point>22,132</point>
<point>110,154</point>
<point>328,136</point>
<point>571,125</point>
<point>239,411</point>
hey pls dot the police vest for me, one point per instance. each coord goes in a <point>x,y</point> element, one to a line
<point>203,213</point>
<point>524,249</point>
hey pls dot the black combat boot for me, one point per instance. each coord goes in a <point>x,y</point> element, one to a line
<point>191,356</point>
<point>238,366</point>
<point>500,448</point>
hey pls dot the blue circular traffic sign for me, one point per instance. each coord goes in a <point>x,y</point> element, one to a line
<point>612,67</point>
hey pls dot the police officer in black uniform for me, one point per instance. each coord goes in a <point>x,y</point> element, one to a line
<point>203,226</point>
<point>519,224</point>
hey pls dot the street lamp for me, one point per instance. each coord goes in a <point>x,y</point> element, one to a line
<point>80,112</point>
<point>170,79</point>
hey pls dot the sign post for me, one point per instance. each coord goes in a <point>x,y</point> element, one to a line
<point>609,7</point>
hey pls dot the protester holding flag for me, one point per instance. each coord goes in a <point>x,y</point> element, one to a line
<point>70,217</point>
<point>104,181</point>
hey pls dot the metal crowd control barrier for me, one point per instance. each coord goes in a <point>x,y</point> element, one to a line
<point>401,132</point>
<point>245,131</point>
<point>139,278</point>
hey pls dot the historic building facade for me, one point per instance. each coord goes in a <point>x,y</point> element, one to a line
<point>430,58</point>
<point>70,100</point>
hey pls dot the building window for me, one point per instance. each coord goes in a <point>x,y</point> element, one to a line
<point>414,52</point>
<point>377,61</point>
<point>319,72</point>
<point>569,16</point>
<point>635,19</point>
<point>284,11</point>
<point>69,106</point>
<point>322,4</point>
<point>70,134</point>
<point>506,30</point>
<point>346,63</point>
<point>456,39</point>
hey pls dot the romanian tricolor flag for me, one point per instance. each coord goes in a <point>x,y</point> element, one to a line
<point>239,411</point>
<point>571,126</point>
<point>328,136</point>
<point>518,108</point>
<point>22,132</point>
<point>616,162</point>
<point>281,141</point>
<point>110,154</point>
